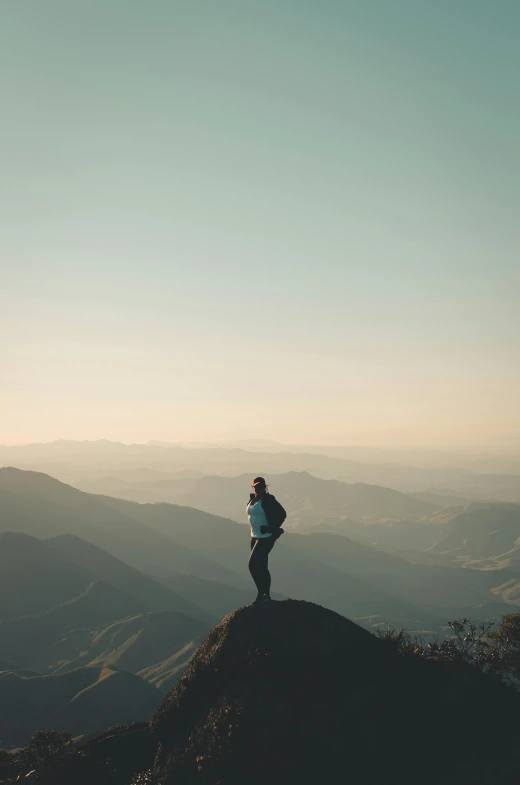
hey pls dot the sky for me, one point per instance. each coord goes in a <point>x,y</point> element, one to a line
<point>274,219</point>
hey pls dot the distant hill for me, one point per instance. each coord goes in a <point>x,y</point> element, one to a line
<point>484,535</point>
<point>100,602</point>
<point>36,575</point>
<point>24,639</point>
<point>325,701</point>
<point>310,501</point>
<point>134,644</point>
<point>37,504</point>
<point>107,568</point>
<point>443,591</point>
<point>441,500</point>
<point>81,701</point>
<point>162,487</point>
<point>33,579</point>
<point>175,487</point>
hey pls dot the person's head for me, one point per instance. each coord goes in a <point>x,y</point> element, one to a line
<point>259,486</point>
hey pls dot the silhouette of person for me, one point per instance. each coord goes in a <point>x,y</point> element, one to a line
<point>266,516</point>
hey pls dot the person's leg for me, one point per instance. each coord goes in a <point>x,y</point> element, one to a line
<point>253,564</point>
<point>260,549</point>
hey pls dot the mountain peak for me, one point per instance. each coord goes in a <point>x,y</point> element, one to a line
<point>280,635</point>
<point>292,692</point>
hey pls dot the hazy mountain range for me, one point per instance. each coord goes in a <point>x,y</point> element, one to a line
<point>478,475</point>
<point>310,501</point>
<point>100,595</point>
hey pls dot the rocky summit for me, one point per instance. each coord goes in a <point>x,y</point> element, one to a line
<point>290,692</point>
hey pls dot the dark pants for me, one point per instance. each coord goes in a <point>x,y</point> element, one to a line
<point>260,549</point>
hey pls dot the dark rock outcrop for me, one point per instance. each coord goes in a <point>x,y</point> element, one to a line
<point>127,748</point>
<point>290,692</point>
<point>113,757</point>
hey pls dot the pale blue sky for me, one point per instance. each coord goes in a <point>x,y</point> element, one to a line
<point>224,219</point>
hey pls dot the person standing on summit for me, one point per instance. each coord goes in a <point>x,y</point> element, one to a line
<point>266,516</point>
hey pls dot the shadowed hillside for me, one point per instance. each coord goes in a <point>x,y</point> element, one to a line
<point>83,700</point>
<point>33,579</point>
<point>327,702</point>
<point>23,638</point>
<point>106,567</point>
<point>36,575</point>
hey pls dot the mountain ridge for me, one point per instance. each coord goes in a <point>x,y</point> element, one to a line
<point>405,470</point>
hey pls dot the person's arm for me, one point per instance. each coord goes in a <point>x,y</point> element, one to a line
<point>275,515</point>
